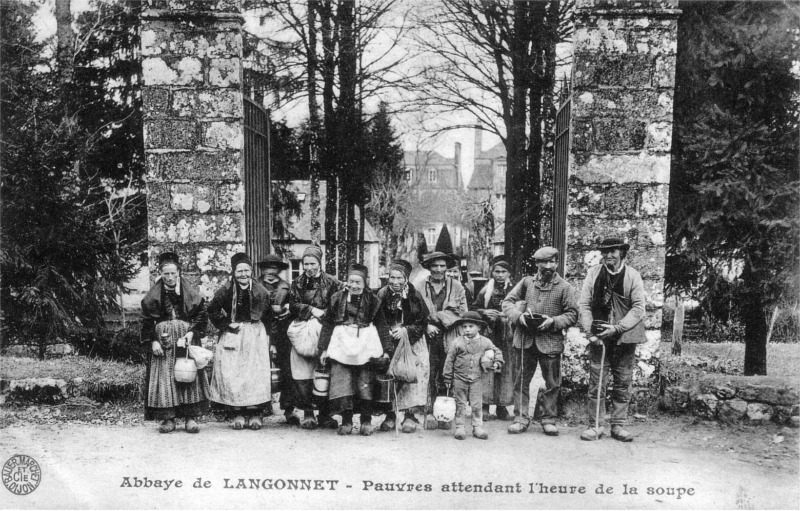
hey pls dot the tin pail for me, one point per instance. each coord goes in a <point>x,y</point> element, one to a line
<point>185,369</point>
<point>386,388</point>
<point>322,382</point>
<point>444,409</point>
<point>276,379</point>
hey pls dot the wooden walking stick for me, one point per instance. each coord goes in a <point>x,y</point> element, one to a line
<point>599,389</point>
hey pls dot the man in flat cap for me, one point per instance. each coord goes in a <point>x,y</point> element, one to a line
<point>446,303</point>
<point>552,297</point>
<point>613,299</point>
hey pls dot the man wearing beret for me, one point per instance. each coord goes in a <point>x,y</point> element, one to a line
<point>612,293</point>
<point>551,296</point>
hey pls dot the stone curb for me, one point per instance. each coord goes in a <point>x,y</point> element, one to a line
<point>57,391</point>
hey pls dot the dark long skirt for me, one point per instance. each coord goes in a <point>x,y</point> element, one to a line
<point>352,388</point>
<point>164,397</point>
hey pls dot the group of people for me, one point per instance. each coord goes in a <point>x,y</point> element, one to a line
<point>483,348</point>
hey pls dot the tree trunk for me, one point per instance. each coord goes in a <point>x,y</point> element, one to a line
<point>517,164</point>
<point>361,233</point>
<point>677,327</point>
<point>313,121</point>
<point>755,325</point>
<point>329,155</point>
<point>348,129</point>
<point>64,40</point>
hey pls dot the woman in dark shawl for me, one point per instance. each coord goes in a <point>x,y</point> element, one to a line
<point>173,317</point>
<point>356,339</point>
<point>241,381</point>
<point>407,316</point>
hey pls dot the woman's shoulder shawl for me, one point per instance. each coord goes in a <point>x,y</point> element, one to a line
<point>152,306</point>
<point>151,303</point>
<point>225,292</point>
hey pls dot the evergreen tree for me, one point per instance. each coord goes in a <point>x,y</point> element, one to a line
<point>387,188</point>
<point>444,244</point>
<point>735,182</point>
<point>60,258</point>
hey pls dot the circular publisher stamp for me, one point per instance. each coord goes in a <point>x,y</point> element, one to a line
<point>21,474</point>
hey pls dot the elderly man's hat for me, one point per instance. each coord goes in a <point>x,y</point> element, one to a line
<point>453,262</point>
<point>612,243</point>
<point>545,254</point>
<point>436,256</point>
<point>500,261</point>
<point>273,261</point>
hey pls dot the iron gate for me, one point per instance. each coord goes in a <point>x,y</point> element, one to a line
<point>561,179</point>
<point>257,200</point>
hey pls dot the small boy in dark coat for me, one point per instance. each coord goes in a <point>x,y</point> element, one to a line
<point>470,355</point>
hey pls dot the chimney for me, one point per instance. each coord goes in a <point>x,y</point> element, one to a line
<point>457,159</point>
<point>478,140</point>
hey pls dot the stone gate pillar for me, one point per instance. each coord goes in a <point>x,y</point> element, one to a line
<point>193,134</point>
<point>619,165</point>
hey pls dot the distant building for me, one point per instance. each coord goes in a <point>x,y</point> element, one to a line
<point>489,181</point>
<point>431,176</point>
<point>300,236</point>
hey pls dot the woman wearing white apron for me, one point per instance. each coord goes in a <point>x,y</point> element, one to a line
<point>309,298</point>
<point>241,381</point>
<point>407,315</point>
<point>355,338</point>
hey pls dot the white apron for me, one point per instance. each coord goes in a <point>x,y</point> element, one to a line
<point>354,346</point>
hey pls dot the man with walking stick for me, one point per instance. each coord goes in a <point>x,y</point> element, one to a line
<point>612,312</point>
<point>541,307</point>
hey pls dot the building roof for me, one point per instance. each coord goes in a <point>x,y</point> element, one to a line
<point>482,176</point>
<point>496,152</point>
<point>301,227</point>
<point>424,159</point>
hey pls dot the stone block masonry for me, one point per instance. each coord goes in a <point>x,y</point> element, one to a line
<point>735,399</point>
<point>621,134</point>
<point>193,134</point>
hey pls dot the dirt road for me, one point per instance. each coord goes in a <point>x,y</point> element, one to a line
<point>670,464</point>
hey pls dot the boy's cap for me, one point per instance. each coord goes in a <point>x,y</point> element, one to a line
<point>470,317</point>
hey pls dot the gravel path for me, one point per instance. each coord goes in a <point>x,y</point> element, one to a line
<point>673,463</point>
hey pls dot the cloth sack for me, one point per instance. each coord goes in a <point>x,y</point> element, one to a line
<point>351,345</point>
<point>404,362</point>
<point>304,336</point>
<point>202,357</point>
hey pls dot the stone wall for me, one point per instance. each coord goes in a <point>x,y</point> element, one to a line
<point>193,134</point>
<point>734,399</point>
<point>621,132</point>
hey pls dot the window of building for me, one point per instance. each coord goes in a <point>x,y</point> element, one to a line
<point>296,266</point>
<point>430,238</point>
<point>432,176</point>
<point>407,175</point>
